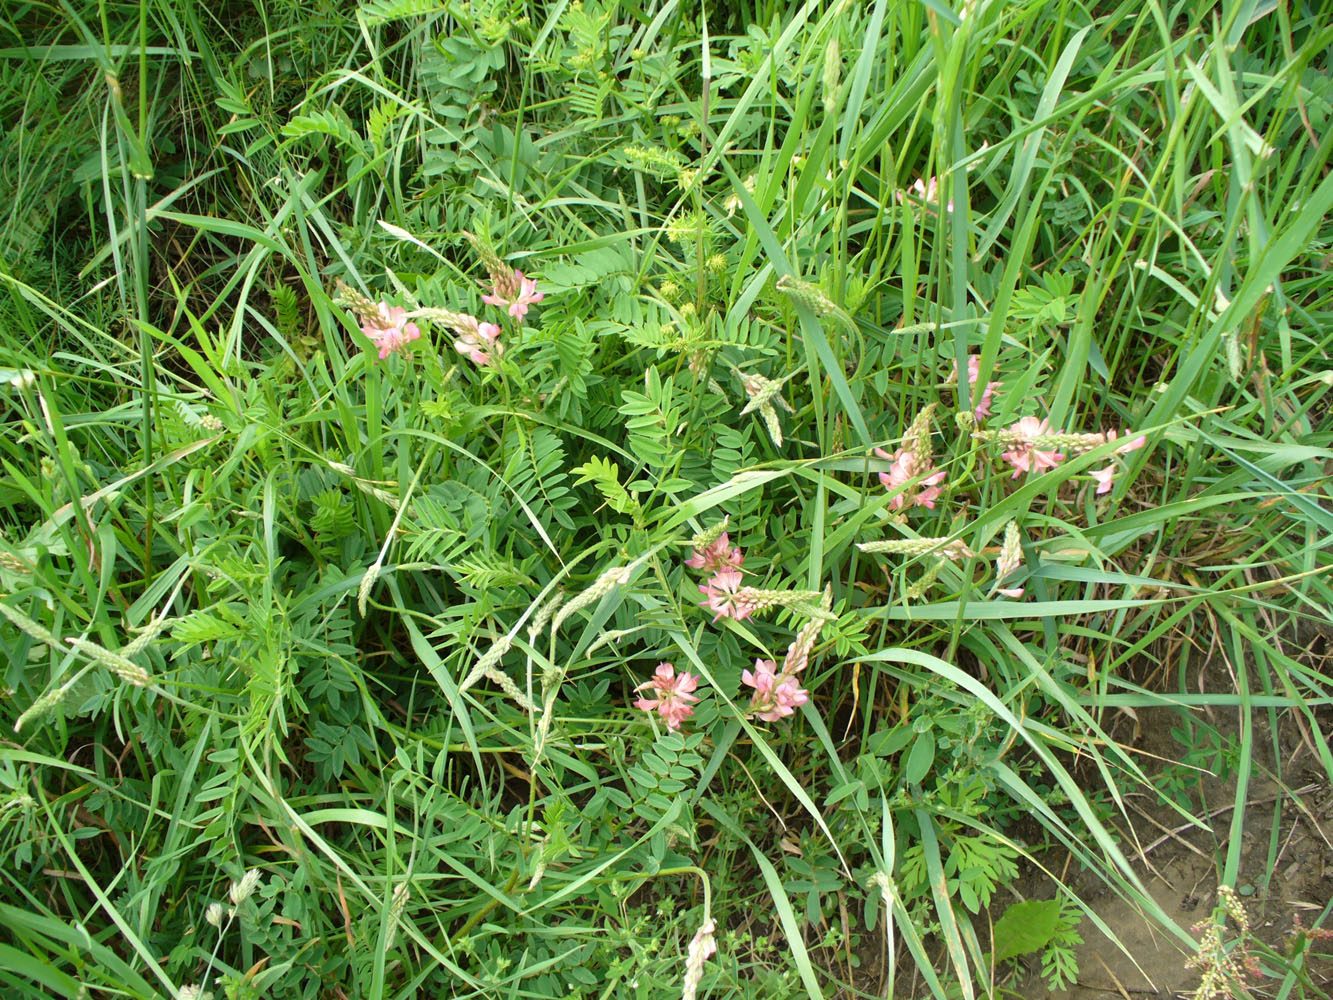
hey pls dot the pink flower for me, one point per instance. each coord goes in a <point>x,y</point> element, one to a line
<point>982,408</point>
<point>515,291</point>
<point>722,592</point>
<point>775,695</point>
<point>1030,428</point>
<point>926,191</point>
<point>675,695</point>
<point>1024,455</point>
<point>477,340</point>
<point>905,469</point>
<point>390,329</point>
<point>1011,592</point>
<point>717,556</point>
<point>1104,478</point>
<point>1133,444</point>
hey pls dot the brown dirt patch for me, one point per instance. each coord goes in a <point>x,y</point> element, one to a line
<point>1285,873</point>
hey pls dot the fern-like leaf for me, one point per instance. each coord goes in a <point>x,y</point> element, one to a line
<point>605,475</point>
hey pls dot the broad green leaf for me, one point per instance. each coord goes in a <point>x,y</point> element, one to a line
<point>1025,927</point>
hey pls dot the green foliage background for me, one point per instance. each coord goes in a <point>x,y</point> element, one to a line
<point>247,569</point>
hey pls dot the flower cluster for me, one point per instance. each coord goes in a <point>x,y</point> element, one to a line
<point>1032,447</point>
<point>674,694</point>
<point>1025,453</point>
<point>911,477</point>
<point>514,291</point>
<point>724,595</point>
<point>906,470</point>
<point>980,407</point>
<point>511,289</point>
<point>776,695</point>
<point>389,329</point>
<point>477,341</point>
<point>724,592</point>
<point>717,555</point>
<point>777,692</point>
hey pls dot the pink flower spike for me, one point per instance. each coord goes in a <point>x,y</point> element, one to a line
<point>1042,460</point>
<point>1024,456</point>
<point>390,329</point>
<point>1012,592</point>
<point>675,694</point>
<point>903,470</point>
<point>719,555</point>
<point>478,341</point>
<point>775,695</point>
<point>516,292</point>
<point>722,594</point>
<point>1133,444</point>
<point>981,409</point>
<point>1104,478</point>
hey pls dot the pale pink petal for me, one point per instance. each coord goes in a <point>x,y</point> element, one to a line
<point>718,555</point>
<point>1020,459</point>
<point>982,409</point>
<point>1133,444</point>
<point>389,329</point>
<point>516,292</point>
<point>675,701</point>
<point>722,595</point>
<point>1045,460</point>
<point>1104,478</point>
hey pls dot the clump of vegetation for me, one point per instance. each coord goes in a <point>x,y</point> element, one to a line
<point>583,499</point>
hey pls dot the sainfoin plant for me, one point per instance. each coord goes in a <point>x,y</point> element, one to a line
<point>614,500</point>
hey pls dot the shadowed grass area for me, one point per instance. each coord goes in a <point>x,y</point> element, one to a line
<point>338,563</point>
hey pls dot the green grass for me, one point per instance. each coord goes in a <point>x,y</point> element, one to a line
<point>247,568</point>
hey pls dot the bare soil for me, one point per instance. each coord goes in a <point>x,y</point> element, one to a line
<point>1285,874</point>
